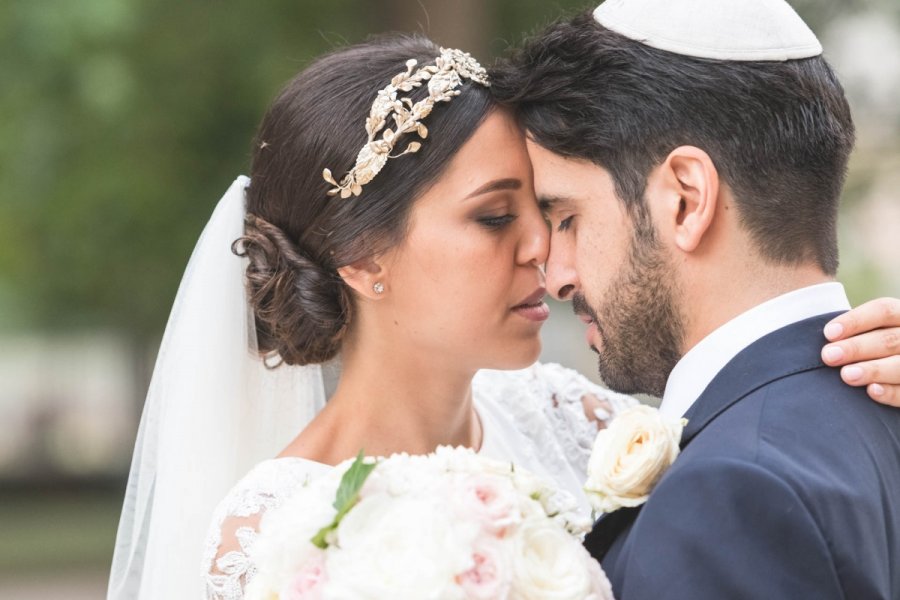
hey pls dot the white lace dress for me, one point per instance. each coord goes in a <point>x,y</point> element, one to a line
<point>533,417</point>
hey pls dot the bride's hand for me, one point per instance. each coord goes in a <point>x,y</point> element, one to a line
<point>597,410</point>
<point>866,344</point>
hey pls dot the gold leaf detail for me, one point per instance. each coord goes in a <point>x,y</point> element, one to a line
<point>443,78</point>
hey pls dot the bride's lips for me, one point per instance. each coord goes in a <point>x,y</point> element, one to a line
<point>533,307</point>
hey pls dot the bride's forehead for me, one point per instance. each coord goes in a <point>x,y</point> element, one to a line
<point>496,150</point>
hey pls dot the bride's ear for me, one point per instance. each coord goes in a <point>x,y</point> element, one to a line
<point>687,193</point>
<point>367,277</point>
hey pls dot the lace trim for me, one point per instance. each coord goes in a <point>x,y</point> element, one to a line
<point>265,487</point>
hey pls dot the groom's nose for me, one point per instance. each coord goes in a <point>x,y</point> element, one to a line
<point>562,279</point>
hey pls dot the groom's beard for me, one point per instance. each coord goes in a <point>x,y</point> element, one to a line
<point>639,321</point>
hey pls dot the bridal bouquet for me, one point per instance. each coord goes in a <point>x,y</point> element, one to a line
<point>447,525</point>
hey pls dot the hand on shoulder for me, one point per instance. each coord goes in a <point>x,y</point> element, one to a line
<point>865,343</point>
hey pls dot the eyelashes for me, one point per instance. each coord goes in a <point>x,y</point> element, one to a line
<point>565,224</point>
<point>497,223</point>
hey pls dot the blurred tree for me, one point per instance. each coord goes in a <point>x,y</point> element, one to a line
<point>121,121</point>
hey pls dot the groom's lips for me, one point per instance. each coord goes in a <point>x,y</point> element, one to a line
<point>592,332</point>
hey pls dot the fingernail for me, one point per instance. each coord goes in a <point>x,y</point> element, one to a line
<point>876,390</point>
<point>834,353</point>
<point>834,330</point>
<point>853,373</point>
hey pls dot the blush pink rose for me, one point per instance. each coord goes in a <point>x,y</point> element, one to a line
<point>308,583</point>
<point>490,577</point>
<point>489,499</point>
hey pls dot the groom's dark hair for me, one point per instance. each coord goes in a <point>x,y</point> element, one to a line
<point>779,133</point>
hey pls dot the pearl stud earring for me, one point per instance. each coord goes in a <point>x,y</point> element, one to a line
<point>378,287</point>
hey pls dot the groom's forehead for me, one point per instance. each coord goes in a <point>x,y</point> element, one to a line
<point>565,183</point>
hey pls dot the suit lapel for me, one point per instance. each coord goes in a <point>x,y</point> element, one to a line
<point>607,529</point>
<point>792,349</point>
<point>787,351</point>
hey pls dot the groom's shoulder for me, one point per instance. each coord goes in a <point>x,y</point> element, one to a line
<point>811,408</point>
<point>809,440</point>
<point>802,423</point>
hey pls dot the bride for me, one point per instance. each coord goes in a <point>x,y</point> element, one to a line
<point>392,253</point>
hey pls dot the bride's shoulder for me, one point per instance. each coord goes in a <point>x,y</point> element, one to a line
<point>235,522</point>
<point>270,481</point>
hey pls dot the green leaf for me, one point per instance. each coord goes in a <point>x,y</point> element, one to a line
<point>351,483</point>
<point>347,496</point>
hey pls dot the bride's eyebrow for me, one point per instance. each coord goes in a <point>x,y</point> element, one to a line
<point>495,186</point>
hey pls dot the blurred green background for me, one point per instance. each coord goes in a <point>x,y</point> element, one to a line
<point>121,124</point>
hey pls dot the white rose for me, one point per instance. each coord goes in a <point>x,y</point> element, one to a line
<point>283,547</point>
<point>601,588</point>
<point>549,564</point>
<point>401,548</point>
<point>630,456</point>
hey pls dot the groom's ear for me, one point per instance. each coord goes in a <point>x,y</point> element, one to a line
<point>362,276</point>
<point>688,188</point>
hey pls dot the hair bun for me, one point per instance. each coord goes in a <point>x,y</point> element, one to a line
<point>301,308</point>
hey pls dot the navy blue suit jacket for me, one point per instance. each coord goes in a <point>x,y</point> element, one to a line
<point>788,486</point>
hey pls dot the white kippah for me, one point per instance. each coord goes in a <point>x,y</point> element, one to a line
<point>742,30</point>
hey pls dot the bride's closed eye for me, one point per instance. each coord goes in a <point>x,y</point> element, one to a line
<point>495,223</point>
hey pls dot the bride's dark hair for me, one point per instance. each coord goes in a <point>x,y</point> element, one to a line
<point>296,235</point>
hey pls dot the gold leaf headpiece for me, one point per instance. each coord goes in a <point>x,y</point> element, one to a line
<point>443,77</point>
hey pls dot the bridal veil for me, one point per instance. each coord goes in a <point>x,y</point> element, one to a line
<point>213,410</point>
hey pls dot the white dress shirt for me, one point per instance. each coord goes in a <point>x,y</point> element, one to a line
<point>696,369</point>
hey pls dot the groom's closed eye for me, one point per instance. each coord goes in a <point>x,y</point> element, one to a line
<point>554,206</point>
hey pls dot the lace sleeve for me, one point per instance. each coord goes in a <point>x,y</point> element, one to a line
<point>227,563</point>
<point>564,393</point>
<point>545,403</point>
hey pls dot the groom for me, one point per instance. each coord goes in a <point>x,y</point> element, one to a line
<point>690,155</point>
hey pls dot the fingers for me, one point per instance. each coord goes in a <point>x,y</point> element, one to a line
<point>886,394</point>
<point>873,345</point>
<point>596,409</point>
<point>884,372</point>
<point>875,314</point>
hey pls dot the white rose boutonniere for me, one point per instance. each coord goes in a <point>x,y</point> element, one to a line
<point>630,456</point>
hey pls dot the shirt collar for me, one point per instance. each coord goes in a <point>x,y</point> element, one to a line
<point>699,366</point>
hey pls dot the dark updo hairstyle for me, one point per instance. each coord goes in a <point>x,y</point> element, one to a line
<point>296,235</point>
<point>779,132</point>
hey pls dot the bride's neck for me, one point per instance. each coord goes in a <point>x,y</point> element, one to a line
<point>392,399</point>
